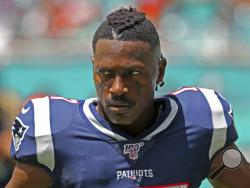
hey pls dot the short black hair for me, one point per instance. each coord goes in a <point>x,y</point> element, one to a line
<point>127,24</point>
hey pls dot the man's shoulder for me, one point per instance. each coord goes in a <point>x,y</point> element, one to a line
<point>44,116</point>
<point>191,92</point>
<point>59,101</point>
<point>194,96</point>
<point>203,106</point>
<point>191,97</point>
<point>54,108</point>
<point>37,124</point>
<point>51,103</point>
<point>206,114</point>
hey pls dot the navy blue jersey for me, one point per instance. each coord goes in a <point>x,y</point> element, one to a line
<point>79,148</point>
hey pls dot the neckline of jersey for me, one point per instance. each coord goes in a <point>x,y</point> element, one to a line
<point>162,122</point>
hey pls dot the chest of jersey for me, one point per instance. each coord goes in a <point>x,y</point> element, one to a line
<point>88,160</point>
<point>79,148</point>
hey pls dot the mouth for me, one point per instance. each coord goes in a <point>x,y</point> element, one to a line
<point>119,108</point>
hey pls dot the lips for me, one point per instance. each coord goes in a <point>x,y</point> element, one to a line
<point>119,108</point>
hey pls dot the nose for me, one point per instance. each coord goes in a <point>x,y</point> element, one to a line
<point>118,86</point>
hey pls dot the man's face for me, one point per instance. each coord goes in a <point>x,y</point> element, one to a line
<point>125,74</point>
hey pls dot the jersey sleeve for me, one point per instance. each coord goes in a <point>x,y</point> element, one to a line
<point>223,128</point>
<point>231,135</point>
<point>209,117</point>
<point>31,135</point>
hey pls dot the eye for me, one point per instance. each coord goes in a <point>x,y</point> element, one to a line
<point>104,72</point>
<point>134,73</point>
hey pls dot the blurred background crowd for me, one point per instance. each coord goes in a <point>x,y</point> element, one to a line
<point>45,47</point>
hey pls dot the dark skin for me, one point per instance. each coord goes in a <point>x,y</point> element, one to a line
<point>125,75</point>
<point>230,178</point>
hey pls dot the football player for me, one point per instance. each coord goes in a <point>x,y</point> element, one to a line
<point>126,137</point>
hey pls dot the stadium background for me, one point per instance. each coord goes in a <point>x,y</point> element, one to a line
<point>45,47</point>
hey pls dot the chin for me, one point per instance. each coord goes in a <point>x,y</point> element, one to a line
<point>121,116</point>
<point>121,121</point>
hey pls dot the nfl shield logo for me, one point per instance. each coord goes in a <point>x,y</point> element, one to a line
<point>132,150</point>
<point>18,132</point>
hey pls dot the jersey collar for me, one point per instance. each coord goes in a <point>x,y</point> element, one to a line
<point>163,121</point>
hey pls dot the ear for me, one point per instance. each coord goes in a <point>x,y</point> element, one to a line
<point>92,59</point>
<point>161,69</point>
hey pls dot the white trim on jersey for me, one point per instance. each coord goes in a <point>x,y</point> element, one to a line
<point>44,142</point>
<point>167,121</point>
<point>218,120</point>
<point>97,124</point>
<point>100,127</point>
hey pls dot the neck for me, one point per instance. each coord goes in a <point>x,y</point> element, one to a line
<point>145,120</point>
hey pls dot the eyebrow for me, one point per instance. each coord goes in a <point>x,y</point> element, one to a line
<point>128,67</point>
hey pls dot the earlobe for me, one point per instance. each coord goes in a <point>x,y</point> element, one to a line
<point>161,69</point>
